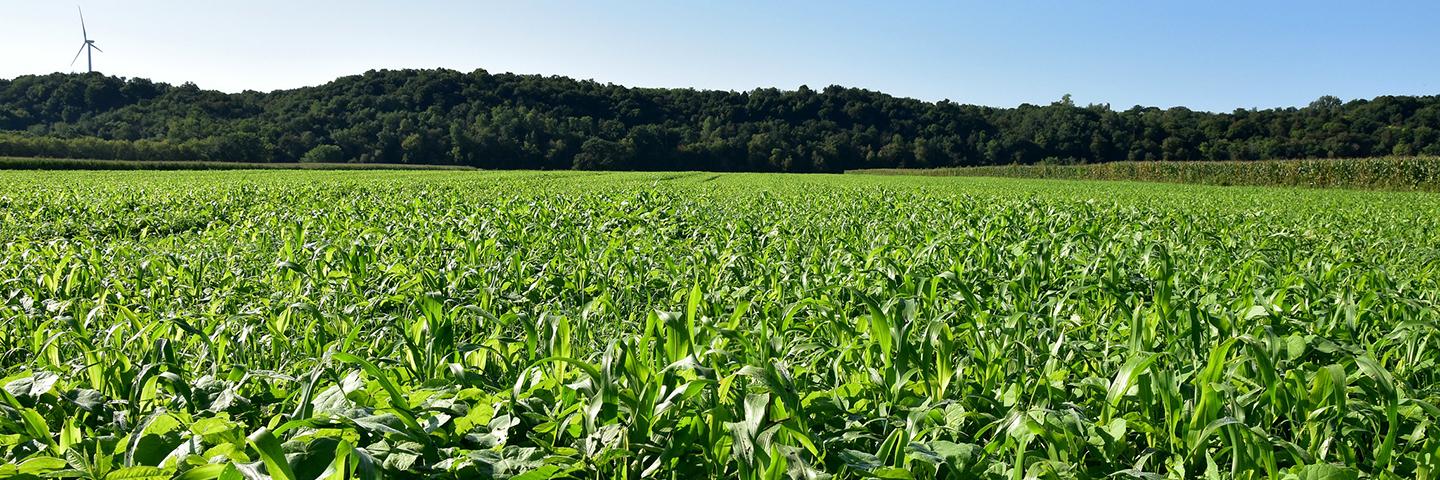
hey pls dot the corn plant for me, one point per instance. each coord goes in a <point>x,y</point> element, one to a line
<point>327,325</point>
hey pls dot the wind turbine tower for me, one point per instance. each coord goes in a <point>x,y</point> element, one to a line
<point>87,47</point>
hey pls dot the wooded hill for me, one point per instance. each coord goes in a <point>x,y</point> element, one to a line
<point>529,121</point>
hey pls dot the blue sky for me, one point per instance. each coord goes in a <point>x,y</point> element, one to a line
<point>1216,55</point>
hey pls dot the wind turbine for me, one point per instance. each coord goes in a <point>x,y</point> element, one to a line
<point>87,46</point>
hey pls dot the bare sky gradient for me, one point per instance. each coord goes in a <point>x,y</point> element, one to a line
<point>1206,55</point>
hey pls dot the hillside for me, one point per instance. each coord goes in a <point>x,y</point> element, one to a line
<point>527,121</point>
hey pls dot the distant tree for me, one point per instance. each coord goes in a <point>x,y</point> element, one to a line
<point>324,154</point>
<point>1326,104</point>
<point>413,147</point>
<point>237,147</point>
<point>601,154</point>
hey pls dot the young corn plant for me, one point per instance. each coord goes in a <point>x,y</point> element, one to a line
<point>330,325</point>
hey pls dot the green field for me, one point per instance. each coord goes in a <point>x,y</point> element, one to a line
<point>1382,173</point>
<point>301,324</point>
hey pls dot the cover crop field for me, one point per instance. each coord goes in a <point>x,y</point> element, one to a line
<point>303,325</point>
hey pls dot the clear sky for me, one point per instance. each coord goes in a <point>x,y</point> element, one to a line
<point>1208,55</point>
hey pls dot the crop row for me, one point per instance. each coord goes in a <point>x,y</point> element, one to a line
<point>555,325</point>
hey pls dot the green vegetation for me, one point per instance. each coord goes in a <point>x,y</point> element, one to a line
<point>565,325</point>
<point>1391,173</point>
<point>506,121</point>
<point>7,163</point>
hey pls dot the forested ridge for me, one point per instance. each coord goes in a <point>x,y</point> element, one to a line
<point>531,121</point>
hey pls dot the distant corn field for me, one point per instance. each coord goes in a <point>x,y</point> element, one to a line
<point>1388,173</point>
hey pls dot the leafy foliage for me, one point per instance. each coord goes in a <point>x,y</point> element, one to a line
<point>307,325</point>
<point>502,121</point>
<point>8,163</point>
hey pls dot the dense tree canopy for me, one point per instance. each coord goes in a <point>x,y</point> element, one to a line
<point>530,121</point>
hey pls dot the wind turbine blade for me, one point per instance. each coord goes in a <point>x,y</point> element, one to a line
<point>95,47</point>
<point>83,32</point>
<point>77,54</point>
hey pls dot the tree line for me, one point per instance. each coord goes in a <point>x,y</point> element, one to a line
<point>548,122</point>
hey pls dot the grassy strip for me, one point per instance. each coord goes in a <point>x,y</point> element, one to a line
<point>1384,173</point>
<point>12,163</point>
